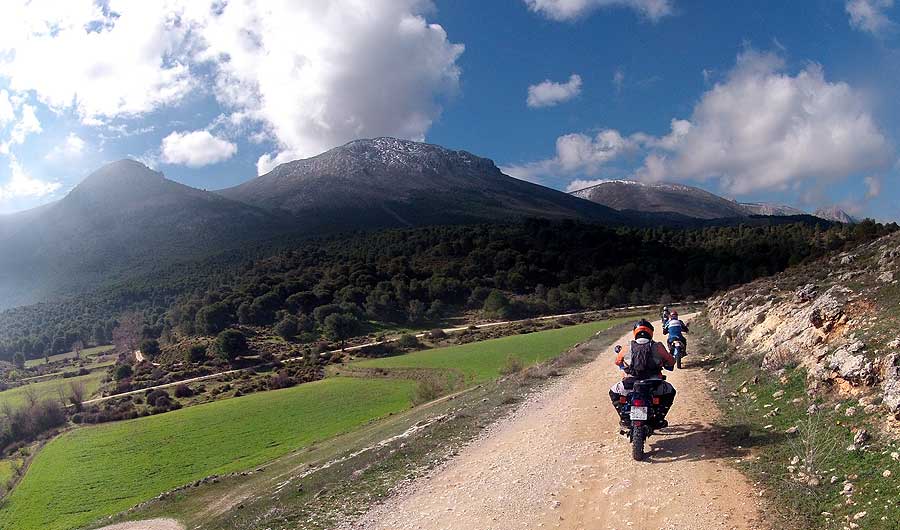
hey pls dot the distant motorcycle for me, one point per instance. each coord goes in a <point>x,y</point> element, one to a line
<point>641,414</point>
<point>677,351</point>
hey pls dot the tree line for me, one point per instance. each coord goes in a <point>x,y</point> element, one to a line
<point>422,274</point>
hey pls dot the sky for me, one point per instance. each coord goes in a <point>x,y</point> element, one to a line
<point>788,102</point>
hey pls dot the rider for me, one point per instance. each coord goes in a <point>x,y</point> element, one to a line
<point>675,328</point>
<point>644,359</point>
<point>665,314</point>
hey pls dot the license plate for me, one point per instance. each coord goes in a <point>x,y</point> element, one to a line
<point>678,344</point>
<point>639,413</point>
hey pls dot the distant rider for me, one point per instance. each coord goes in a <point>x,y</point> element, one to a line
<point>675,328</point>
<point>664,316</point>
<point>644,359</point>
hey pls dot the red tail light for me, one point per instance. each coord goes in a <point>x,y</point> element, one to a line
<point>623,399</point>
<point>655,400</point>
<point>638,403</point>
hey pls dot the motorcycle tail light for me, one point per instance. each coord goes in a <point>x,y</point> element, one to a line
<point>638,403</point>
<point>655,400</point>
<point>623,399</point>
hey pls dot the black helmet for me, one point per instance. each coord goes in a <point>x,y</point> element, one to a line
<point>643,329</point>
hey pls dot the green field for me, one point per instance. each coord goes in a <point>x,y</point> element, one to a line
<point>92,472</point>
<point>482,361</point>
<point>87,352</point>
<point>16,397</point>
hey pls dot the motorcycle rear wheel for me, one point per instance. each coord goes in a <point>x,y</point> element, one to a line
<point>637,443</point>
<point>678,361</point>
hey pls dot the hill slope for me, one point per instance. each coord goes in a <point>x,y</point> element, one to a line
<point>386,182</point>
<point>663,197</point>
<point>122,218</point>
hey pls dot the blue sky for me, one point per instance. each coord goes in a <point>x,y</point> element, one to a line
<point>791,102</point>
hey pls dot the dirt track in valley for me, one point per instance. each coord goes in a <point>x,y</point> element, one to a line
<point>149,524</point>
<point>559,462</point>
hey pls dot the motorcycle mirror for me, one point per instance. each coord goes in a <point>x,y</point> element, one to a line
<point>618,348</point>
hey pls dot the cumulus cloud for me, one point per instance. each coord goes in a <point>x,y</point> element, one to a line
<point>71,147</point>
<point>195,149</point>
<point>7,113</point>
<point>567,10</point>
<point>549,93</point>
<point>311,75</point>
<point>759,129</point>
<point>762,128</point>
<point>577,154</point>
<point>873,187</point>
<point>869,15</point>
<point>26,125</point>
<point>21,184</point>
<point>579,184</point>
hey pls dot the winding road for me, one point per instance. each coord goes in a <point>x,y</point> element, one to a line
<point>559,462</point>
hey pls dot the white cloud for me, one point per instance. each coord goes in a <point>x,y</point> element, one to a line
<point>71,147</point>
<point>127,60</point>
<point>759,129</point>
<point>550,93</point>
<point>577,154</point>
<point>618,80</point>
<point>762,128</point>
<point>7,113</point>
<point>311,74</point>
<point>320,73</point>
<point>873,187</point>
<point>20,184</point>
<point>195,149</point>
<point>26,125</point>
<point>869,15</point>
<point>579,184</point>
<point>564,10</point>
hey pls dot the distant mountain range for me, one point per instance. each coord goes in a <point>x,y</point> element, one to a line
<point>126,220</point>
<point>634,196</point>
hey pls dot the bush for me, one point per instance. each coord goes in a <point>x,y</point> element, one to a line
<point>281,380</point>
<point>154,397</point>
<point>183,391</point>
<point>429,388</point>
<point>231,343</point>
<point>287,327</point>
<point>407,341</point>
<point>150,348</point>
<point>123,371</point>
<point>196,353</point>
<point>437,334</point>
<point>513,365</point>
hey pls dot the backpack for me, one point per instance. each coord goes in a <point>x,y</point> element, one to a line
<point>643,365</point>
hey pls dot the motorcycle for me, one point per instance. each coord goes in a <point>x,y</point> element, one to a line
<point>678,351</point>
<point>641,413</point>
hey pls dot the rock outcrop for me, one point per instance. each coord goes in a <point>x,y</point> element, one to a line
<point>837,317</point>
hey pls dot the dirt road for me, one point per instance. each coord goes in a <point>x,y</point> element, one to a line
<point>559,462</point>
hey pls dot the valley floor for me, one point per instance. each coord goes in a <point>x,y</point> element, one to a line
<point>559,462</point>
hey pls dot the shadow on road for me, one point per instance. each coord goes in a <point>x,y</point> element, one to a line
<point>694,442</point>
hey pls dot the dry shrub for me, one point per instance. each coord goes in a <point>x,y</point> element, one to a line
<point>513,365</point>
<point>429,387</point>
<point>541,371</point>
<point>814,446</point>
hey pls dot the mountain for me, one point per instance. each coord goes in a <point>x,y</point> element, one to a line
<point>631,195</point>
<point>386,182</point>
<point>835,214</point>
<point>122,219</point>
<point>765,208</point>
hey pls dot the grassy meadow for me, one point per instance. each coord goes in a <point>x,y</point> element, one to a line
<point>87,352</point>
<point>96,471</point>
<point>49,389</point>
<point>483,361</point>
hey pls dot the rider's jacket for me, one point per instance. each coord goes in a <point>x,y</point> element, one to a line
<point>660,354</point>
<point>675,327</point>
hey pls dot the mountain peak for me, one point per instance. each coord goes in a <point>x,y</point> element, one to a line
<point>835,213</point>
<point>124,172</point>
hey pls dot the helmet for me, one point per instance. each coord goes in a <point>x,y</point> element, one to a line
<point>643,329</point>
<point>673,314</point>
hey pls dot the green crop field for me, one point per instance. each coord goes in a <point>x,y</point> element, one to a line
<point>92,472</point>
<point>87,352</point>
<point>482,361</point>
<point>16,397</point>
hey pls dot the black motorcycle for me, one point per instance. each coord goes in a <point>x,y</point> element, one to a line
<point>641,413</point>
<point>677,347</point>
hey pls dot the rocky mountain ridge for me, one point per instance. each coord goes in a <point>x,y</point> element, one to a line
<point>837,318</point>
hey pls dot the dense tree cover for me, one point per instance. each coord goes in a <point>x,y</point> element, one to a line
<point>419,275</point>
<point>407,276</point>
